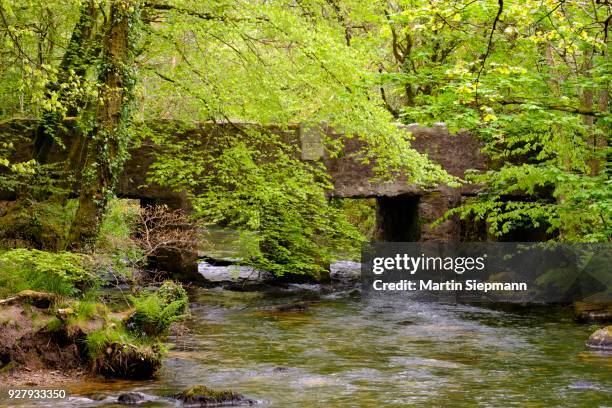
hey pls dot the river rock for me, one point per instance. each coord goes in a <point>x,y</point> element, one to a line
<point>181,264</point>
<point>593,311</point>
<point>345,271</point>
<point>601,339</point>
<point>130,398</point>
<point>233,274</point>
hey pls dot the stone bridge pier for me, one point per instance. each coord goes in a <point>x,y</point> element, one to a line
<point>407,217</point>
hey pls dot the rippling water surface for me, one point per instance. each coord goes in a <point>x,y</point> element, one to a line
<point>347,352</point>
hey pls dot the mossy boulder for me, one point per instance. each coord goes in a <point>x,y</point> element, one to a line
<point>601,339</point>
<point>202,396</point>
<point>131,348</point>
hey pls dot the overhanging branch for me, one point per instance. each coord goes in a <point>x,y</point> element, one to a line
<point>563,108</point>
<point>201,15</point>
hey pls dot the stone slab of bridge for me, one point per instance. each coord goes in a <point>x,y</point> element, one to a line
<point>404,210</point>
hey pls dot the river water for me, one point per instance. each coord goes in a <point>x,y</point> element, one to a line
<point>344,351</point>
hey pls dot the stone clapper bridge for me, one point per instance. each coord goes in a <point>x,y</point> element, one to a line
<point>404,210</point>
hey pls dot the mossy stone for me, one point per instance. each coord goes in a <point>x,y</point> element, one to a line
<point>202,396</point>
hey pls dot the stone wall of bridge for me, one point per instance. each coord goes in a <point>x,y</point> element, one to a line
<point>404,209</point>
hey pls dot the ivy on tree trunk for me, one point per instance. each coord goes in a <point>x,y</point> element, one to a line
<point>75,63</point>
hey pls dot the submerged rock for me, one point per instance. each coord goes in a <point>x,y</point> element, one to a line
<point>601,339</point>
<point>582,385</point>
<point>292,307</point>
<point>202,396</point>
<point>97,396</point>
<point>345,271</point>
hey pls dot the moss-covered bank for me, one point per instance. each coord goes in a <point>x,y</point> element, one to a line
<point>45,330</point>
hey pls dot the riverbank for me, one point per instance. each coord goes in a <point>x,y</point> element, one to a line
<point>46,332</point>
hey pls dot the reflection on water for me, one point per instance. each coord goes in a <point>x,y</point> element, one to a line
<point>343,352</point>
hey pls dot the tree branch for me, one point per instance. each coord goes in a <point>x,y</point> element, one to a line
<point>398,51</point>
<point>200,15</point>
<point>500,9</point>
<point>563,108</point>
<point>15,41</point>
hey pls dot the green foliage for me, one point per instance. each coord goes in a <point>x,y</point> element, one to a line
<point>250,187</point>
<point>578,206</point>
<point>41,215</point>
<point>522,88</point>
<point>277,65</point>
<point>118,223</point>
<point>87,309</point>
<point>155,312</point>
<point>132,348</point>
<point>531,79</point>
<point>30,180</point>
<point>62,273</point>
<point>75,317</point>
<point>11,172</point>
<point>361,213</point>
<point>98,341</point>
<point>170,292</point>
<point>115,236</point>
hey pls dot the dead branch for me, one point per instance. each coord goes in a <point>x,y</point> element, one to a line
<point>160,228</point>
<point>29,295</point>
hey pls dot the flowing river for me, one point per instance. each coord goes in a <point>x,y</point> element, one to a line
<point>343,351</point>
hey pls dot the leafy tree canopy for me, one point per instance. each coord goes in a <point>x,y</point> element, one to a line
<point>530,77</point>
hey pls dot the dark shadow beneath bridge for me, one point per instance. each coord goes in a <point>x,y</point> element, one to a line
<point>398,218</point>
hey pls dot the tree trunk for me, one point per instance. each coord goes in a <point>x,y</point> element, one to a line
<point>107,147</point>
<point>587,101</point>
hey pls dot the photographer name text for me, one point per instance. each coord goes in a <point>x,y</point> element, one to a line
<point>430,285</point>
